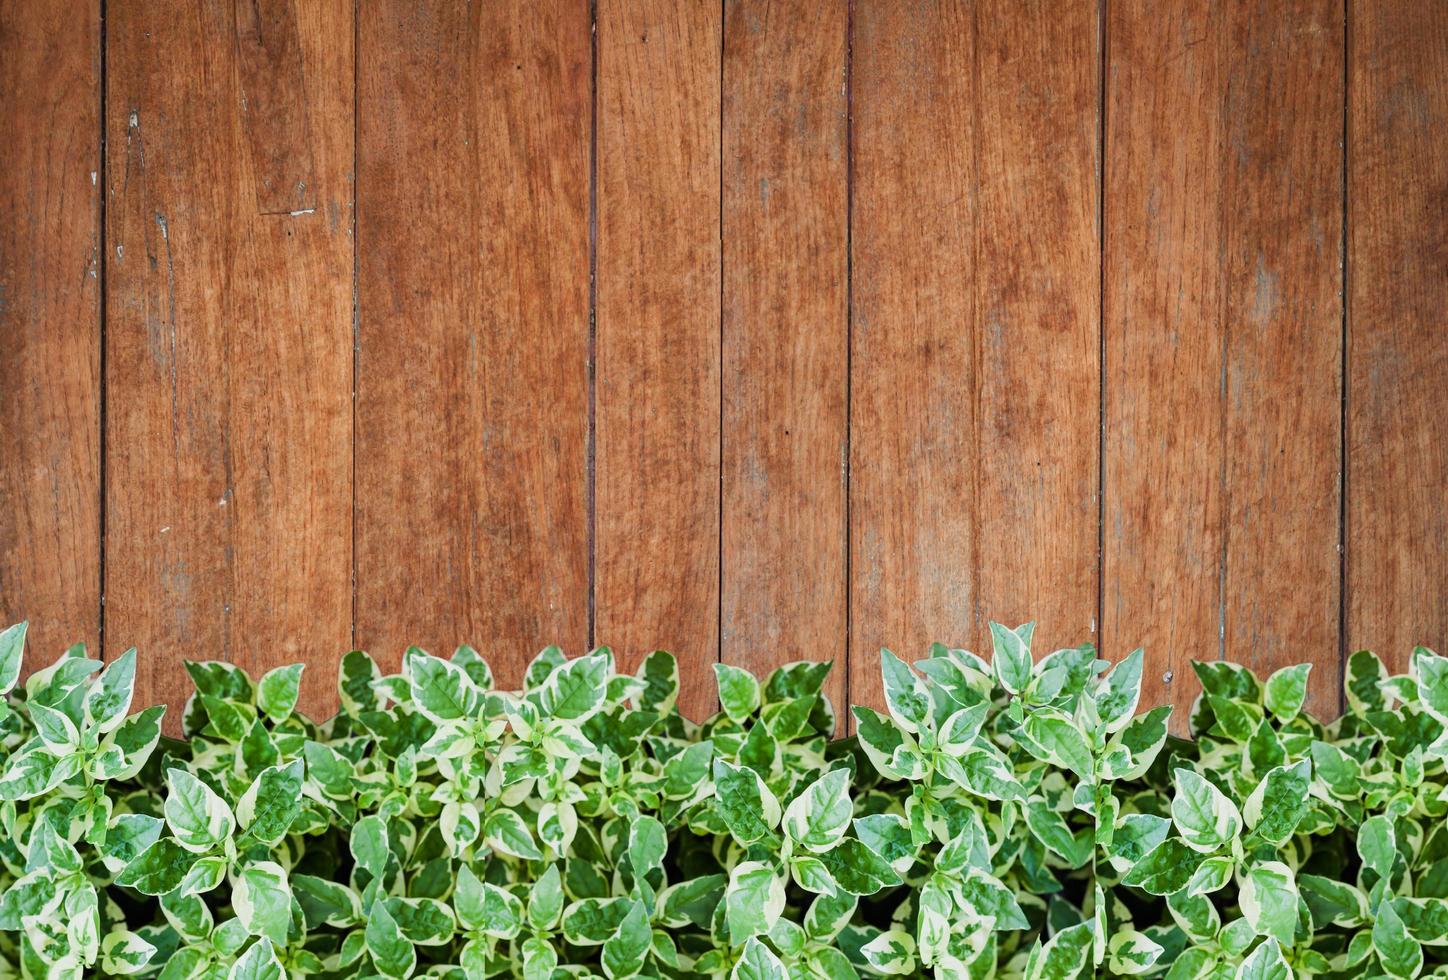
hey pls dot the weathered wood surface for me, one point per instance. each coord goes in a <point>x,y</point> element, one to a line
<point>1223,339</point>
<point>975,423</point>
<point>756,331</point>
<point>473,330</point>
<point>786,336</point>
<point>1397,191</point>
<point>229,338</point>
<point>50,265</point>
<point>656,517</point>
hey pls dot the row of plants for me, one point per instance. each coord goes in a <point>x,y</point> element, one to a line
<point>1016,817</point>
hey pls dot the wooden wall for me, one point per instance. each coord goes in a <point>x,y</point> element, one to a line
<point>753,330</point>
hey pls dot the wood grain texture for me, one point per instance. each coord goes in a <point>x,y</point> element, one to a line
<point>974,436</point>
<point>914,414</point>
<point>1223,350</point>
<point>50,324</point>
<point>1282,302</point>
<point>229,355</point>
<point>785,336</point>
<point>658,336</point>
<point>1037,304</point>
<point>472,410</point>
<point>1398,328</point>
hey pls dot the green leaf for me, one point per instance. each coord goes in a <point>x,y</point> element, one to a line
<point>441,690</point>
<point>739,693</point>
<point>369,844</point>
<point>109,698</point>
<point>1012,660</point>
<point>575,690</point>
<point>270,805</point>
<point>905,693</point>
<point>753,900</point>
<point>158,869</point>
<point>258,963</point>
<point>278,690</point>
<point>819,816</point>
<point>1377,844</point>
<point>391,953</point>
<point>1399,954</point>
<point>1204,816</point>
<point>1065,956</point>
<point>626,950</point>
<point>1265,963</point>
<point>198,817</point>
<point>505,831</point>
<point>1275,808</point>
<point>12,649</point>
<point>1165,869</point>
<point>748,809</point>
<point>1116,704</point>
<point>1286,691</point>
<point>263,901</point>
<point>758,963</point>
<point>1269,899</point>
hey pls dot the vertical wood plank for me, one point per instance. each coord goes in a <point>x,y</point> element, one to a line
<point>472,411</point>
<point>1164,346</point>
<point>1282,300</point>
<point>1036,309</point>
<point>1398,328</point>
<point>785,336</point>
<point>229,336</point>
<point>1223,339</point>
<point>658,336</point>
<point>50,324</point>
<point>913,499</point>
<point>974,436</point>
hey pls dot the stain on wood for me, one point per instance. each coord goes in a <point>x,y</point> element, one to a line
<point>785,336</point>
<point>658,337</point>
<point>228,362</point>
<point>472,397</point>
<point>1223,325</point>
<point>274,105</point>
<point>50,325</point>
<point>1397,188</point>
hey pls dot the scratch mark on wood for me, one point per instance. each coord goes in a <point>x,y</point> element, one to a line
<point>171,326</point>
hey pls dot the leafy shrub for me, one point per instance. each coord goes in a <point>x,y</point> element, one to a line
<point>1016,818</point>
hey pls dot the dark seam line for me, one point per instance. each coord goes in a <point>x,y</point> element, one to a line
<point>1345,294</point>
<point>356,288</point>
<point>1224,327</point>
<point>102,311</point>
<point>719,447</point>
<point>1101,68</point>
<point>846,725</point>
<point>591,444</point>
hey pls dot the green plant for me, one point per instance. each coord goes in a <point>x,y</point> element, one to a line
<point>1013,818</point>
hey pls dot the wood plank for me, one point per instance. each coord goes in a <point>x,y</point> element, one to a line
<point>658,336</point>
<point>1037,289</point>
<point>913,422</point>
<point>1282,281</point>
<point>785,336</point>
<point>229,354</point>
<point>1222,266</point>
<point>472,406</point>
<point>974,444</point>
<point>1398,328</point>
<point>50,322</point>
